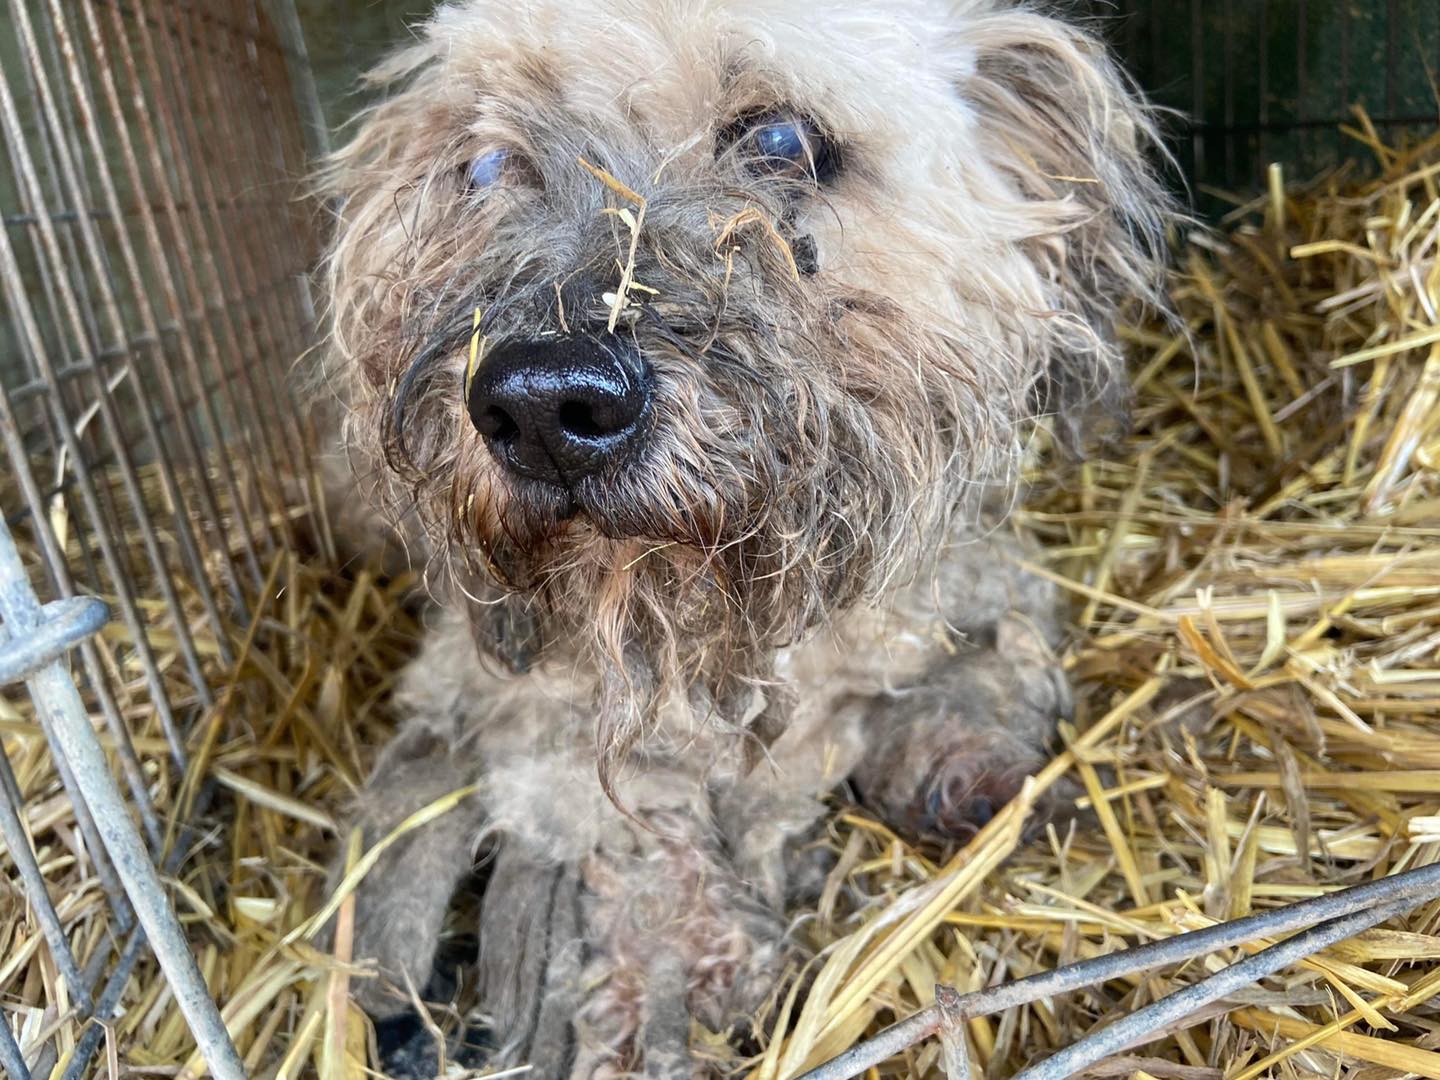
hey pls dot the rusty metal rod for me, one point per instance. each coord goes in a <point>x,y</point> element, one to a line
<point>17,840</point>
<point>64,582</point>
<point>66,623</point>
<point>1422,883</point>
<point>190,535</point>
<point>1152,1020</point>
<point>14,285</point>
<point>75,305</point>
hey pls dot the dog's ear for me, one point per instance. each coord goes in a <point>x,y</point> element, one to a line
<point>1064,125</point>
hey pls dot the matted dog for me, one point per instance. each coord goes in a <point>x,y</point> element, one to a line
<point>695,343</point>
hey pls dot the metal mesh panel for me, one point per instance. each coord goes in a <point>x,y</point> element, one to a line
<point>153,260</point>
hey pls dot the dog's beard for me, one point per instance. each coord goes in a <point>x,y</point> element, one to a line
<point>664,626</point>
<point>664,607</point>
<point>751,516</point>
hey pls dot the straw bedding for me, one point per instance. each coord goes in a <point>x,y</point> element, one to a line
<point>1256,576</point>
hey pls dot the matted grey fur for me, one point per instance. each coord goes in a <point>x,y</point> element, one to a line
<point>877,239</point>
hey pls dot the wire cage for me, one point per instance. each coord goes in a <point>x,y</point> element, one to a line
<point>154,291</point>
<point>154,261</point>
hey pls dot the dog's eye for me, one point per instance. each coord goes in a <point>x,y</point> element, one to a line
<point>782,144</point>
<point>489,168</point>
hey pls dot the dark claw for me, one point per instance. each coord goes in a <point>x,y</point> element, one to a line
<point>407,1048</point>
<point>979,811</point>
<point>935,802</point>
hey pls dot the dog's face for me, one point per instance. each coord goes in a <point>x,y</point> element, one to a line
<point>687,322</point>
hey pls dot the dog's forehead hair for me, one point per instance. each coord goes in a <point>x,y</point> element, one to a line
<point>678,66</point>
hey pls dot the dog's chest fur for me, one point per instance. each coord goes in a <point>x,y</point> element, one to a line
<point>535,738</point>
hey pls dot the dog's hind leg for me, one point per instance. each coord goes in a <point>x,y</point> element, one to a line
<point>950,747</point>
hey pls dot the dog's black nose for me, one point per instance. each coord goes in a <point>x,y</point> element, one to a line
<point>561,408</point>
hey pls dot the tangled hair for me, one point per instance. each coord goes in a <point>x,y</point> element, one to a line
<point>840,356</point>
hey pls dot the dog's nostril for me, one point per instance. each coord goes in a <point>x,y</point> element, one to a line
<point>578,418</point>
<point>496,423</point>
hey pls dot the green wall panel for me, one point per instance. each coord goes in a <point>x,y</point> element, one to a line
<point>1255,81</point>
<point>1272,80</point>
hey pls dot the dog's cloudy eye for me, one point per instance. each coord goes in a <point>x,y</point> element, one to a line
<point>782,144</point>
<point>786,140</point>
<point>488,169</point>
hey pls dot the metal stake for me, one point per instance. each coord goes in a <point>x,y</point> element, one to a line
<point>55,694</point>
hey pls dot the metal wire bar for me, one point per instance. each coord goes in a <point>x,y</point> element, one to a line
<point>94,968</point>
<point>153,346</point>
<point>159,254</point>
<point>55,694</point>
<point>154,151</point>
<point>1153,1019</point>
<point>199,246</point>
<point>66,624</point>
<point>89,1041</point>
<point>154,274</point>
<point>259,245</point>
<point>12,435</point>
<point>64,164</point>
<point>302,77</point>
<point>1422,883</point>
<point>17,840</point>
<point>108,1001</point>
<point>289,142</point>
<point>106,1005</point>
<point>11,1060</point>
<point>255,245</point>
<point>95,673</point>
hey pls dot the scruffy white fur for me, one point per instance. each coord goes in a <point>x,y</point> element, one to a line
<point>806,576</point>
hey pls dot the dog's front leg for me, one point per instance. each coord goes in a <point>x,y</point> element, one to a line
<point>400,904</point>
<point>602,935</point>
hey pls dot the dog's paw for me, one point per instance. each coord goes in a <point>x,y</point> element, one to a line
<point>951,751</point>
<point>602,969</point>
<point>970,783</point>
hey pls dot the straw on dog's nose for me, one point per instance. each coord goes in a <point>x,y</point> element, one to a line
<point>560,408</point>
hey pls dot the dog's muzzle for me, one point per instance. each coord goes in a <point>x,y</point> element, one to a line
<point>561,408</point>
